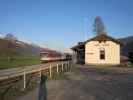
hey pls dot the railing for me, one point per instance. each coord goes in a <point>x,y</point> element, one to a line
<point>46,69</point>
<point>24,75</point>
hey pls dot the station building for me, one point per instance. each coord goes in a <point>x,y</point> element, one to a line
<point>99,50</point>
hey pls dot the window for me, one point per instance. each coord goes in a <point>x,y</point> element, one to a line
<point>102,54</point>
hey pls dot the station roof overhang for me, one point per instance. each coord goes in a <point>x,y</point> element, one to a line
<point>79,47</point>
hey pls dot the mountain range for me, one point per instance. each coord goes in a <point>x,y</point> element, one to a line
<point>11,46</point>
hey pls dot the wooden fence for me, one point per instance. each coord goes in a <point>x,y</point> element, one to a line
<point>23,77</point>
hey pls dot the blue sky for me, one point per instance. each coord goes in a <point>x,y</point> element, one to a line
<point>59,24</point>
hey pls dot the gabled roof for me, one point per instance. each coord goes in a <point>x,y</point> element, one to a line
<point>103,37</point>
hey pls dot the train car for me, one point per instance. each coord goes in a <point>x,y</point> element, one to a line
<point>51,55</point>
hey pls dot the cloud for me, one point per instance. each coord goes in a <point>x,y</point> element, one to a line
<point>68,50</point>
<point>26,41</point>
<point>1,36</point>
<point>43,45</point>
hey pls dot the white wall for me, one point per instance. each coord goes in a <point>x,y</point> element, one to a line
<point>92,54</point>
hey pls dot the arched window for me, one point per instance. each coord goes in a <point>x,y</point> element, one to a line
<point>102,53</point>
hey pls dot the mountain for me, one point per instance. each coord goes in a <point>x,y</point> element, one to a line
<point>9,47</point>
<point>127,45</point>
<point>28,49</point>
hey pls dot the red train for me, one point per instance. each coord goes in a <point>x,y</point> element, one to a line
<point>48,55</point>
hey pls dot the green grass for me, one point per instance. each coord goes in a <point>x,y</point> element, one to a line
<point>19,61</point>
<point>59,76</point>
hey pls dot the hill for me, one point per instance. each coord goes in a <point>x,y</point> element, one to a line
<point>16,47</point>
<point>128,45</point>
<point>15,53</point>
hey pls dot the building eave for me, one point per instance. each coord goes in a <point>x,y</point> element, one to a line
<point>103,37</point>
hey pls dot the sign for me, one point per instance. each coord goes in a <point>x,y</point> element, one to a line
<point>102,44</point>
<point>89,53</point>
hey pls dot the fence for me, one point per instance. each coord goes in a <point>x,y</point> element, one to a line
<point>21,79</point>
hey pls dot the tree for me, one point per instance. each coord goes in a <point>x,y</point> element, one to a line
<point>99,27</point>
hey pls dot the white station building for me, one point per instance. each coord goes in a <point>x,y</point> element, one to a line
<point>99,50</point>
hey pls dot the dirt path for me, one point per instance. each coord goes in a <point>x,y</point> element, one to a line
<point>89,84</point>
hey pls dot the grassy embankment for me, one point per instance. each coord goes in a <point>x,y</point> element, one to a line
<point>18,61</point>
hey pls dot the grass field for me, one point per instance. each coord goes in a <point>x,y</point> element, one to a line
<point>18,61</point>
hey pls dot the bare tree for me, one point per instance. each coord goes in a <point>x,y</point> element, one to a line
<point>99,27</point>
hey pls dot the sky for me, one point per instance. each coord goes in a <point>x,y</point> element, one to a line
<point>60,24</point>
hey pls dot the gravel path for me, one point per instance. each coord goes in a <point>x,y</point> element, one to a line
<point>88,83</point>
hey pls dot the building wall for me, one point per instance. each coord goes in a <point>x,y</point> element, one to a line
<point>92,53</point>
